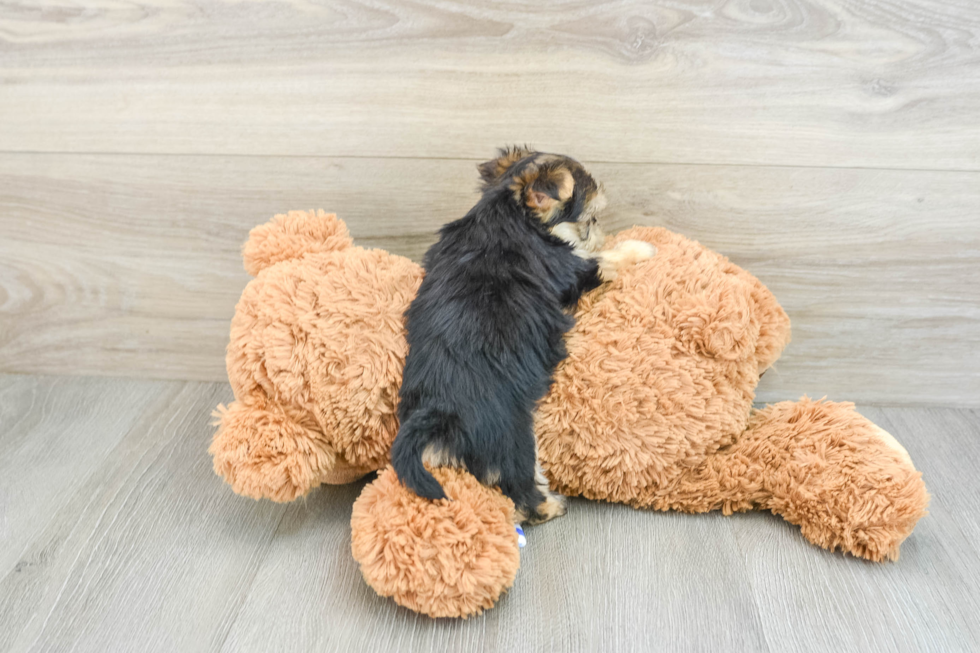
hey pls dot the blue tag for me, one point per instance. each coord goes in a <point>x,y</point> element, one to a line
<point>521,540</point>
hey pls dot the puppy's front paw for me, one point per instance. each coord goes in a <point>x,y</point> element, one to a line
<point>626,253</point>
<point>634,251</point>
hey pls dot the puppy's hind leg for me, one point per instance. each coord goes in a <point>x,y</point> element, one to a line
<point>551,505</point>
<point>534,502</point>
<point>524,482</point>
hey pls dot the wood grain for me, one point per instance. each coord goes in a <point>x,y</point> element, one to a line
<point>579,589</point>
<point>130,265</point>
<point>151,552</point>
<point>878,83</point>
<point>803,594</point>
<point>42,469</point>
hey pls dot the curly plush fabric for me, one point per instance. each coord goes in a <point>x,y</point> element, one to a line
<point>661,372</point>
<point>291,236</point>
<point>447,558</point>
<point>652,408</point>
<point>315,359</point>
<point>847,483</point>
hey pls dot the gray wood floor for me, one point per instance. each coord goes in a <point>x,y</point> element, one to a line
<point>116,536</point>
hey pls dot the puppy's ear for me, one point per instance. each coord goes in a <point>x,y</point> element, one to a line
<point>544,188</point>
<point>494,169</point>
<point>539,201</point>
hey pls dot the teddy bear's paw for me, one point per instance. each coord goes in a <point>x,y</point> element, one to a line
<point>845,481</point>
<point>263,454</point>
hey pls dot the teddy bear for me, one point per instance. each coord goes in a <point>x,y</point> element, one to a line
<point>653,407</point>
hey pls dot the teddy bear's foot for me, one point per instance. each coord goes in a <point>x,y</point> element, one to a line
<point>847,483</point>
<point>264,454</point>
<point>446,558</point>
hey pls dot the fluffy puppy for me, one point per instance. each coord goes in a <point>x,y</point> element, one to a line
<point>486,329</point>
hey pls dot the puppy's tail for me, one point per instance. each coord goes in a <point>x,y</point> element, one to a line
<point>422,428</point>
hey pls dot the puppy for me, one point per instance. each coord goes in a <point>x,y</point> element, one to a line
<point>486,329</point>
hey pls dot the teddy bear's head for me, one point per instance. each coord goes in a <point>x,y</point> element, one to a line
<point>662,368</point>
<point>315,359</point>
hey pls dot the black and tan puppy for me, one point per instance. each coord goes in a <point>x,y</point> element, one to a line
<point>485,330</point>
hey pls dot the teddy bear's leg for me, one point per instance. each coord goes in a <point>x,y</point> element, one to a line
<point>446,558</point>
<point>847,483</point>
<point>264,454</point>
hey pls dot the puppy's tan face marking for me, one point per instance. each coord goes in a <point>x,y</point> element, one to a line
<point>585,235</point>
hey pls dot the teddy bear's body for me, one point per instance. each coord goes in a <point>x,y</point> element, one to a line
<point>661,373</point>
<point>652,407</point>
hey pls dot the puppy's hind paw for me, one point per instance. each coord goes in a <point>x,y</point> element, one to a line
<point>553,506</point>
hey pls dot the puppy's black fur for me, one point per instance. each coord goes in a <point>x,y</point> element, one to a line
<point>486,329</point>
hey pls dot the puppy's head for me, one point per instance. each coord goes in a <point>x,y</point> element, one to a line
<point>553,189</point>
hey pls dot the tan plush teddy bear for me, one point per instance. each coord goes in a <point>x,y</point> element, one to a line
<point>315,359</point>
<point>652,407</point>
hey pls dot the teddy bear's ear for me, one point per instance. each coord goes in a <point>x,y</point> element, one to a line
<point>719,324</point>
<point>293,235</point>
<point>774,327</point>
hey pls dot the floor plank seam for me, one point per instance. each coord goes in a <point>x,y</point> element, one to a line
<point>389,157</point>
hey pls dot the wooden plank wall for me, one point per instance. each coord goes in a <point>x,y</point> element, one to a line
<point>833,149</point>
